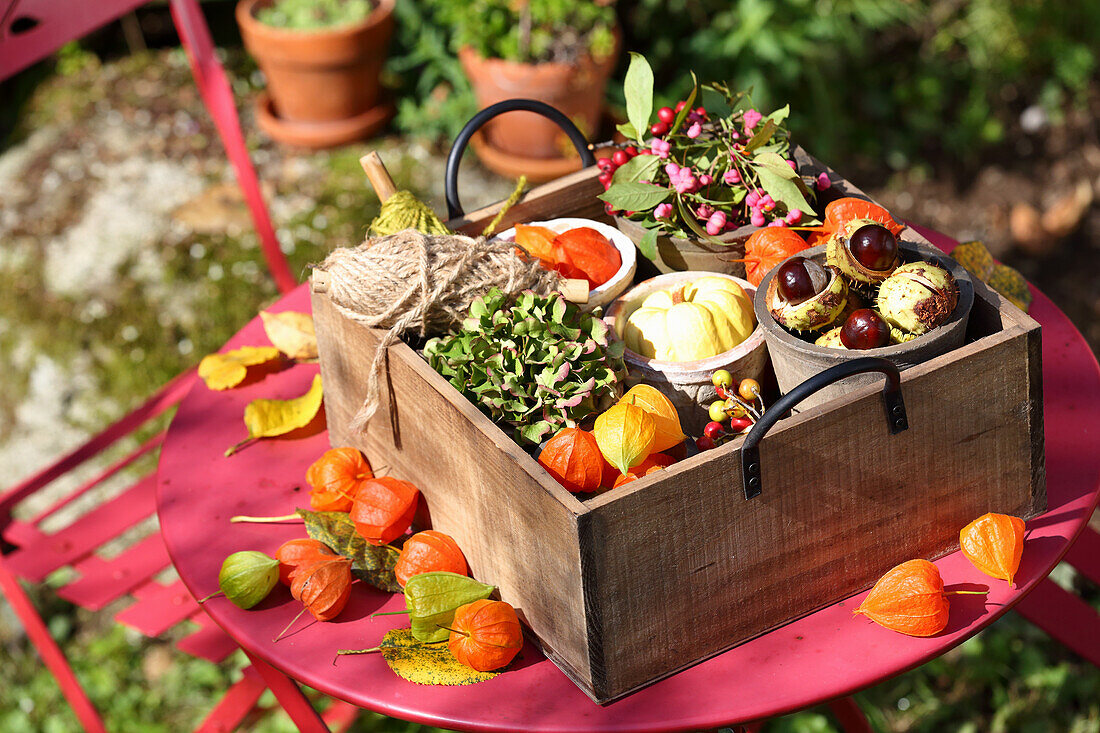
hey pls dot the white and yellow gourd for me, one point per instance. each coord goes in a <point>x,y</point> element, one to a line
<point>695,321</point>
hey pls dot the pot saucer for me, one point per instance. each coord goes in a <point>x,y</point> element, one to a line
<point>510,165</point>
<point>320,134</point>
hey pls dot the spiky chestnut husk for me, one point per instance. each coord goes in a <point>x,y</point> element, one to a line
<point>897,336</point>
<point>855,302</point>
<point>918,297</point>
<point>838,255</point>
<point>831,339</point>
<point>817,312</point>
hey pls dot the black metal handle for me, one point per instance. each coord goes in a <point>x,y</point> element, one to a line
<point>891,398</point>
<point>454,208</point>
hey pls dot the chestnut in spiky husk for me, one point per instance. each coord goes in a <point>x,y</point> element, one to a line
<point>831,339</point>
<point>918,297</point>
<point>804,296</point>
<point>864,250</point>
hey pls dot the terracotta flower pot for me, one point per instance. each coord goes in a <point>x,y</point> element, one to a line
<point>675,254</point>
<point>324,75</point>
<point>575,89</point>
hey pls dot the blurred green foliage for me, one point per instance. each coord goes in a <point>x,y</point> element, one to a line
<point>876,83</point>
<point>313,14</point>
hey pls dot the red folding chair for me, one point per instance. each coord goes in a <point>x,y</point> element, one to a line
<point>30,30</point>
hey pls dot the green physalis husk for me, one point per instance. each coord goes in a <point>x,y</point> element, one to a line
<point>247,577</point>
<point>431,600</point>
<point>539,364</point>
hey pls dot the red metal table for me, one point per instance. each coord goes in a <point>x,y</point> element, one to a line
<point>821,657</point>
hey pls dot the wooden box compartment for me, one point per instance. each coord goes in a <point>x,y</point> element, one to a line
<point>632,585</point>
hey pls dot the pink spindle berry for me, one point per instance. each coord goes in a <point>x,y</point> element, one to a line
<point>704,211</point>
<point>751,119</point>
<point>672,169</point>
<point>753,198</point>
<point>663,211</point>
<point>767,203</point>
<point>715,224</point>
<point>705,180</point>
<point>823,182</point>
<point>695,130</point>
<point>757,218</point>
<point>794,216</point>
<point>793,165</point>
<point>731,177</point>
<point>777,223</point>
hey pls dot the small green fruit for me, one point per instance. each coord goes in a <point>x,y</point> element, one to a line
<point>247,577</point>
<point>721,378</point>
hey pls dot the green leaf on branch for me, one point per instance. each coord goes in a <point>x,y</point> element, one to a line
<point>636,169</point>
<point>370,563</point>
<point>647,245</point>
<point>635,196</point>
<point>763,135</point>
<point>638,89</point>
<point>627,130</point>
<point>779,115</point>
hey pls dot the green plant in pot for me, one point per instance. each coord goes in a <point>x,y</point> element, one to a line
<point>560,52</point>
<point>695,181</point>
<point>322,60</point>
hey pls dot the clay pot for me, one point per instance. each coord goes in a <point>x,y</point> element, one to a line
<point>324,75</point>
<point>575,89</point>
<point>796,360</point>
<point>675,254</point>
<point>687,383</point>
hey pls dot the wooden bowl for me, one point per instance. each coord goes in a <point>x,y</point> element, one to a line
<point>796,360</point>
<point>687,383</point>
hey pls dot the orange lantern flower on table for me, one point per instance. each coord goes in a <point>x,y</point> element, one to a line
<point>335,479</point>
<point>485,635</point>
<point>383,509</point>
<point>908,599</point>
<point>426,552</point>
<point>323,586</point>
<point>293,553</point>
<point>994,544</point>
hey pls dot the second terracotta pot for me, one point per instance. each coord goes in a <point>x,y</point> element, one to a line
<point>319,75</point>
<point>575,89</point>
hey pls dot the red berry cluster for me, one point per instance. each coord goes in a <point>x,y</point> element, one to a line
<point>608,166</point>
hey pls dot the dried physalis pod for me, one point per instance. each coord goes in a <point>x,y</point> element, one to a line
<point>908,599</point>
<point>994,543</point>
<point>426,552</point>
<point>323,586</point>
<point>335,478</point>
<point>485,635</point>
<point>383,509</point>
<point>293,553</point>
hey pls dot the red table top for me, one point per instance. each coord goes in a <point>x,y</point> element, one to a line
<point>822,656</point>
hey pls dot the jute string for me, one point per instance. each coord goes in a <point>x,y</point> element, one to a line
<point>423,284</point>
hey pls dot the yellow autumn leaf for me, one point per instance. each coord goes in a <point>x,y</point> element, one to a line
<point>292,333</point>
<point>625,434</point>
<point>426,664</point>
<point>222,371</point>
<point>660,408</point>
<point>269,418</point>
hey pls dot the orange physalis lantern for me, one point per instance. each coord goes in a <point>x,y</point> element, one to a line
<point>293,553</point>
<point>765,248</point>
<point>485,635</point>
<point>573,458</point>
<point>383,509</point>
<point>537,241</point>
<point>654,462</point>
<point>994,543</point>
<point>666,421</point>
<point>426,552</point>
<point>334,479</point>
<point>323,586</point>
<point>585,253</point>
<point>909,599</point>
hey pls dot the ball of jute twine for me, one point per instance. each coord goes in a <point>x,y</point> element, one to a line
<point>423,284</point>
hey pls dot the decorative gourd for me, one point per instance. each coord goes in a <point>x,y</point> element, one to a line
<point>695,321</point>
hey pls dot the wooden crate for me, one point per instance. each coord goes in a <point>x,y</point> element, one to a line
<point>632,585</point>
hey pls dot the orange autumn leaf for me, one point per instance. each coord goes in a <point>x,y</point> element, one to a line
<point>323,586</point>
<point>660,408</point>
<point>334,479</point>
<point>536,241</point>
<point>655,462</point>
<point>909,599</point>
<point>573,458</point>
<point>994,544</point>
<point>485,635</point>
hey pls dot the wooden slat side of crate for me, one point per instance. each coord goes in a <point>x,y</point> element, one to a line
<point>516,525</point>
<point>842,502</point>
<point>572,195</point>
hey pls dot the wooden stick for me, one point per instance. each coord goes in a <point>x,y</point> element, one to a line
<point>378,176</point>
